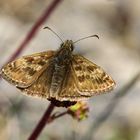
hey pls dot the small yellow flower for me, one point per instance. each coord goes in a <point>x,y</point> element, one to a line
<point>79,110</point>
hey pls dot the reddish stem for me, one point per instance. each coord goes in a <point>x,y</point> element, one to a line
<point>42,123</point>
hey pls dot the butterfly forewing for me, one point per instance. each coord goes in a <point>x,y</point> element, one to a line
<point>24,71</point>
<point>90,78</point>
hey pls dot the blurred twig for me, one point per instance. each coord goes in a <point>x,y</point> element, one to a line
<point>110,107</point>
<point>42,123</point>
<point>45,16</point>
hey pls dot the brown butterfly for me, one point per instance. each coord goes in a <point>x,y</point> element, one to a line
<point>59,76</point>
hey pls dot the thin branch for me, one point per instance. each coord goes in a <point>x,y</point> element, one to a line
<point>44,17</point>
<point>43,121</point>
<point>56,116</point>
<point>110,107</point>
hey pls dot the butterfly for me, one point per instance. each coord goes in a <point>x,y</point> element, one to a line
<point>59,76</point>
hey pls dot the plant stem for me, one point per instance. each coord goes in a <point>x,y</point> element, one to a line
<point>43,121</point>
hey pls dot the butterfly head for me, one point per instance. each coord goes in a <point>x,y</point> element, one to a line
<point>67,45</point>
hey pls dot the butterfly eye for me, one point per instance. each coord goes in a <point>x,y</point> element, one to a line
<point>71,47</point>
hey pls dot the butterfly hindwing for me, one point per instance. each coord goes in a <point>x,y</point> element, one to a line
<point>24,71</point>
<point>70,90</point>
<point>90,78</point>
<point>41,86</point>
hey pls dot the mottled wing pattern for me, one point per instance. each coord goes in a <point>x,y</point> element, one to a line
<point>41,86</point>
<point>90,78</point>
<point>24,71</point>
<point>69,90</point>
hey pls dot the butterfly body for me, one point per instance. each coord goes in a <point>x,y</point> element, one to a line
<point>61,63</point>
<point>59,76</point>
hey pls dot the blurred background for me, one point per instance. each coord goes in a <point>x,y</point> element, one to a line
<point>117,22</point>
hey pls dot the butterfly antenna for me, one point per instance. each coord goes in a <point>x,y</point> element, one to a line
<point>54,33</point>
<point>86,38</point>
